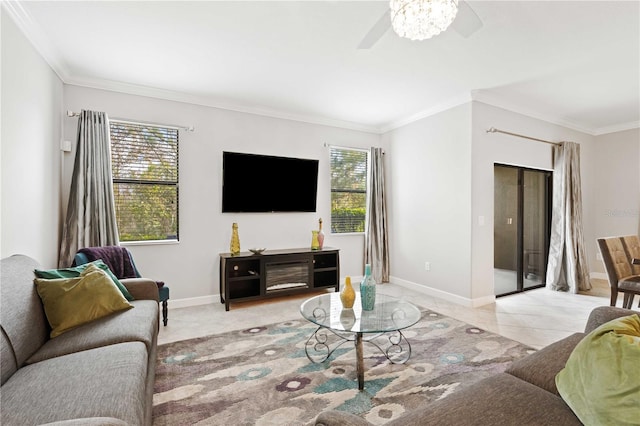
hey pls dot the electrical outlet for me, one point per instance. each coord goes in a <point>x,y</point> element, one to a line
<point>427,266</point>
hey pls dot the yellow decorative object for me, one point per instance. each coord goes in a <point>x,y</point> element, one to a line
<point>315,244</point>
<point>235,240</point>
<point>71,302</point>
<point>348,294</point>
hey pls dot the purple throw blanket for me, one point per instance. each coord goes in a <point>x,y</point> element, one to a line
<point>115,257</point>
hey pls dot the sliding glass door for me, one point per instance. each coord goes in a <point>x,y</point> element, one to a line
<point>521,228</point>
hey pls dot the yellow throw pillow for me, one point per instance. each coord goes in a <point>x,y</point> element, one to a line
<point>70,302</point>
<point>601,380</point>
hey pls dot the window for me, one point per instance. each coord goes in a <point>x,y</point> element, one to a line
<point>144,162</point>
<point>348,189</point>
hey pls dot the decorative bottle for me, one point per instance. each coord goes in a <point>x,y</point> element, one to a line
<point>348,294</point>
<point>315,245</point>
<point>368,290</point>
<point>320,235</point>
<point>235,240</point>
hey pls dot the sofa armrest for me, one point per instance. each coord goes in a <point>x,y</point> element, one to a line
<point>141,288</point>
<point>604,314</point>
<point>339,418</point>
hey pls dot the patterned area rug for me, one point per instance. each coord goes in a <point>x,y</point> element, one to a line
<point>262,376</point>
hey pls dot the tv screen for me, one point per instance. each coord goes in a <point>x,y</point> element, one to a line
<point>253,183</point>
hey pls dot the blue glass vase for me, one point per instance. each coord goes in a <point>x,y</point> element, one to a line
<point>367,290</point>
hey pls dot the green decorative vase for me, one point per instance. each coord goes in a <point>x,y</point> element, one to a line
<point>368,290</point>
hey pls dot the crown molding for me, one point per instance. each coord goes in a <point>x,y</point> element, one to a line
<point>451,103</point>
<point>36,37</point>
<point>496,101</point>
<point>170,95</point>
<point>52,56</point>
<point>617,128</point>
<point>491,99</point>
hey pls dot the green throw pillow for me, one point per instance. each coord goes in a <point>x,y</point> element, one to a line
<point>70,302</point>
<point>601,380</point>
<point>75,271</point>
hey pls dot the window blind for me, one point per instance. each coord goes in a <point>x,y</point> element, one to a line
<point>144,161</point>
<point>348,189</point>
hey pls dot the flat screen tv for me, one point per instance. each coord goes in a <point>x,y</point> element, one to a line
<point>253,183</point>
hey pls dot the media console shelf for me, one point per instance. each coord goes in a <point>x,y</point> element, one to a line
<point>249,276</point>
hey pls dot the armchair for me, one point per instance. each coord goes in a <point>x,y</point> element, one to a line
<point>121,263</point>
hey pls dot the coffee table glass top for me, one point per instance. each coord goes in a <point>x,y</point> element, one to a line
<point>389,314</point>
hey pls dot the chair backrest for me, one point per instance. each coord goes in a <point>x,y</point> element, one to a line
<point>632,245</point>
<point>616,261</point>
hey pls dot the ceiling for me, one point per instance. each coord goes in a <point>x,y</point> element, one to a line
<point>574,63</point>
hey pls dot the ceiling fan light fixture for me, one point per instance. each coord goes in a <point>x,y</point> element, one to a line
<point>422,19</point>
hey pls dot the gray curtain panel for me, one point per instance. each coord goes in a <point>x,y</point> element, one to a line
<point>91,214</point>
<point>376,250</point>
<point>567,269</point>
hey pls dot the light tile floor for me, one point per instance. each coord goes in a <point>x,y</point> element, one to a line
<point>536,318</point>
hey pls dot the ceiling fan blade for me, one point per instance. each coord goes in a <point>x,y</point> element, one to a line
<point>376,32</point>
<point>467,21</point>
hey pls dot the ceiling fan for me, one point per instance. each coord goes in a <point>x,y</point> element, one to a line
<point>466,23</point>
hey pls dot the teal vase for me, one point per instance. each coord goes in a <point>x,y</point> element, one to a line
<point>368,290</point>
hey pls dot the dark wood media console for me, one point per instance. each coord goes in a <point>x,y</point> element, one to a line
<point>249,276</point>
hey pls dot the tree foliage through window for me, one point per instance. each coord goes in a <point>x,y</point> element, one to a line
<point>144,161</point>
<point>348,189</point>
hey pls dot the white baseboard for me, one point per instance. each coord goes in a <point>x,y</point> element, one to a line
<point>454,298</point>
<point>193,301</point>
<point>599,275</point>
<point>450,297</point>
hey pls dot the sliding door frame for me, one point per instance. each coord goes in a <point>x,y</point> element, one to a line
<point>520,224</point>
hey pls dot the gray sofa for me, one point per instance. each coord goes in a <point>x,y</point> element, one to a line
<point>100,373</point>
<point>525,394</point>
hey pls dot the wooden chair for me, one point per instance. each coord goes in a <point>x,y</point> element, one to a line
<point>617,255</point>
<point>632,245</point>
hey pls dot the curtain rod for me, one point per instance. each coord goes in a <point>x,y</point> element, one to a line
<point>326,145</point>
<point>124,120</point>
<point>494,130</point>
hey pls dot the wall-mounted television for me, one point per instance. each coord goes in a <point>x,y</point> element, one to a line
<point>253,183</point>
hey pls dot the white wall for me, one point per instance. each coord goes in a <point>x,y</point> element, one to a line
<point>442,184</point>
<point>430,203</point>
<point>440,181</point>
<point>616,186</point>
<point>30,154</point>
<point>491,148</point>
<point>191,267</point>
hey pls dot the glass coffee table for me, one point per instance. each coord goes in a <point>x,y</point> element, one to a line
<point>379,327</point>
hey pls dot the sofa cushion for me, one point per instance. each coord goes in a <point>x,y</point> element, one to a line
<point>540,368</point>
<point>101,382</point>
<point>70,302</point>
<point>135,325</point>
<point>22,316</point>
<point>75,271</point>
<point>497,400</point>
<point>601,380</point>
